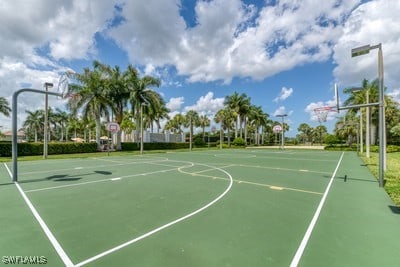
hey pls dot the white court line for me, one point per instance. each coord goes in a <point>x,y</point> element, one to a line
<point>296,159</point>
<point>64,257</point>
<point>98,181</point>
<point>275,168</point>
<point>164,226</point>
<point>92,167</point>
<point>303,244</point>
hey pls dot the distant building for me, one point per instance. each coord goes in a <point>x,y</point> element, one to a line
<point>21,136</point>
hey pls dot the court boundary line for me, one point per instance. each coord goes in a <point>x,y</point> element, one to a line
<point>277,168</point>
<point>307,235</point>
<point>272,187</point>
<point>92,167</point>
<point>54,242</point>
<point>102,180</point>
<point>132,241</point>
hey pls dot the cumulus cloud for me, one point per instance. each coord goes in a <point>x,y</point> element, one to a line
<point>395,94</point>
<point>36,34</point>
<point>282,111</point>
<point>310,109</point>
<point>207,104</point>
<point>371,23</point>
<point>285,93</point>
<point>65,28</point>
<point>175,103</point>
<point>244,42</point>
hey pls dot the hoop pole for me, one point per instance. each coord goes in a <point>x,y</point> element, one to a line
<point>15,126</point>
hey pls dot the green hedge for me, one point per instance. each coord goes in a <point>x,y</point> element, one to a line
<point>129,146</point>
<point>30,149</point>
<point>374,148</point>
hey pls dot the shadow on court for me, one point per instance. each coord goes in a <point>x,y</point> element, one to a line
<point>63,177</point>
<point>394,209</point>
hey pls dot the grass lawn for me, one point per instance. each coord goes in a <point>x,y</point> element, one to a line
<point>392,174</point>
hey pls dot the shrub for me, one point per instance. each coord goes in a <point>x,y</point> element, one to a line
<point>239,142</point>
<point>331,139</point>
<point>131,146</point>
<point>31,149</point>
<point>199,142</point>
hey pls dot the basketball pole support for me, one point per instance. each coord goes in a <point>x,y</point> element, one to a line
<point>15,126</point>
<point>380,104</point>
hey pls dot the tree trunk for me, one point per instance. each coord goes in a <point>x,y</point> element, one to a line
<point>98,130</point>
<point>229,138</point>
<point>190,136</point>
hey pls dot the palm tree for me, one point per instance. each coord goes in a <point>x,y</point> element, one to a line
<point>74,124</point>
<point>191,120</point>
<point>33,122</point>
<point>320,132</point>
<point>61,117</point>
<point>225,117</point>
<point>127,124</point>
<point>90,95</point>
<point>141,96</point>
<point>240,105</point>
<point>156,111</point>
<point>117,91</point>
<point>4,106</point>
<point>305,132</point>
<point>257,119</point>
<point>359,97</point>
<point>346,130</point>
<point>204,122</point>
<point>175,123</point>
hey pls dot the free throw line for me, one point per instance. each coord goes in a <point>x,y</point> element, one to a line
<point>60,251</point>
<point>303,244</point>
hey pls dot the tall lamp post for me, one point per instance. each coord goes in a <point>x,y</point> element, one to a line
<point>46,107</point>
<point>283,129</point>
<point>141,126</point>
<point>359,51</point>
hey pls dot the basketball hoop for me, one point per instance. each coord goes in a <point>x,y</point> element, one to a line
<point>113,127</point>
<point>322,113</point>
<point>63,85</point>
<point>277,128</point>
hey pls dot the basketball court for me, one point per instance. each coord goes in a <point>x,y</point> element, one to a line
<point>248,207</point>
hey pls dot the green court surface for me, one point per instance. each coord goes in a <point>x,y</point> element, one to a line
<point>249,207</point>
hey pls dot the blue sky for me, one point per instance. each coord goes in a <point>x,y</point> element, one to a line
<point>286,55</point>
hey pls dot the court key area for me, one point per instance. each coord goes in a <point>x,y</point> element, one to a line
<point>245,207</point>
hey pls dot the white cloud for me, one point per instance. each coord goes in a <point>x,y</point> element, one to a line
<point>66,28</point>
<point>285,93</point>
<point>207,104</point>
<point>14,76</point>
<point>175,103</point>
<point>243,42</point>
<point>35,34</point>
<point>371,23</point>
<point>330,115</point>
<point>395,94</point>
<point>282,111</point>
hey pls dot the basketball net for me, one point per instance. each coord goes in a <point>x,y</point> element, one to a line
<point>322,113</point>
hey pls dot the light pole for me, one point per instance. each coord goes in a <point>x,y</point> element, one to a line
<point>283,129</point>
<point>367,127</point>
<point>355,90</point>
<point>141,127</point>
<point>362,50</point>
<point>46,107</point>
